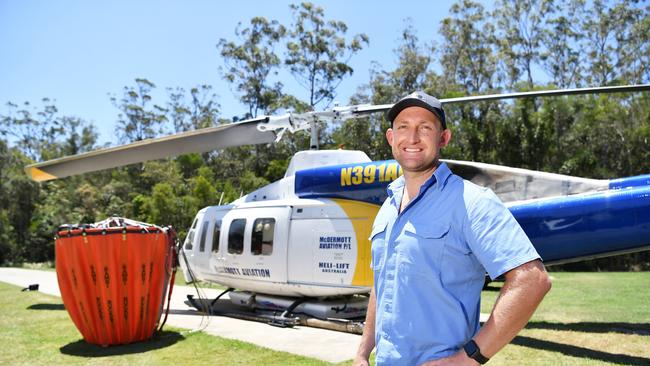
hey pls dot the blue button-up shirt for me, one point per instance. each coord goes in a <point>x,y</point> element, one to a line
<point>429,265</point>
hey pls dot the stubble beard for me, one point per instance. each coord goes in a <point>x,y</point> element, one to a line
<point>423,168</point>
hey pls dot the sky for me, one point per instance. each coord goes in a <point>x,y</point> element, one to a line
<point>79,53</point>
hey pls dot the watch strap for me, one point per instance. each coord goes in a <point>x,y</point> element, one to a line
<point>474,352</point>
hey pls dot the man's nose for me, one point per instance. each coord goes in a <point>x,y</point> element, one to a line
<point>412,135</point>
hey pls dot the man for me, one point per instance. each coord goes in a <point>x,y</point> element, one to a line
<point>433,240</point>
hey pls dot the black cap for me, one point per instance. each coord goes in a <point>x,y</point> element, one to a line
<point>418,99</point>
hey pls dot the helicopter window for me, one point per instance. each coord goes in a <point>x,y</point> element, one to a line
<point>204,233</point>
<point>262,236</point>
<point>215,236</point>
<point>190,236</point>
<point>236,236</point>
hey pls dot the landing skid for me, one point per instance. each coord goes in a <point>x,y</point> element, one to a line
<point>284,318</point>
<point>226,308</point>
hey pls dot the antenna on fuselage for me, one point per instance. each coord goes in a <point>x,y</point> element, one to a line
<point>313,141</point>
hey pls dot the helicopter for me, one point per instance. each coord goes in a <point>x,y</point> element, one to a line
<point>308,234</point>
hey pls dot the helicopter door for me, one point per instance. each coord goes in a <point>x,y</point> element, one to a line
<point>205,251</point>
<point>256,243</point>
<point>203,241</point>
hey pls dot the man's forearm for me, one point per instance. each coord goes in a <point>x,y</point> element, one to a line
<point>367,343</point>
<point>523,290</point>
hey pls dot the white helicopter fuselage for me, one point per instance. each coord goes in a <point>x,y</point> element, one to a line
<point>292,238</point>
<point>273,242</point>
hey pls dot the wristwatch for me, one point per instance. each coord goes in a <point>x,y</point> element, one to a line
<point>472,350</point>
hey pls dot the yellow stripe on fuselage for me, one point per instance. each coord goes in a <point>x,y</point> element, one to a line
<point>361,215</point>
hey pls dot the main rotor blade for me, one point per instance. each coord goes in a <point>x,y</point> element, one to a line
<point>549,93</point>
<point>203,140</point>
<point>369,109</point>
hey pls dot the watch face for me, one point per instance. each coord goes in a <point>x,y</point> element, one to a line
<point>471,348</point>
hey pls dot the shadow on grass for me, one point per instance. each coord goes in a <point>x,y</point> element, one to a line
<point>582,352</point>
<point>594,327</point>
<point>160,340</point>
<point>46,307</point>
<point>491,288</point>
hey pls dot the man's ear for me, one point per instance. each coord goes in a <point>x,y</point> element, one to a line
<point>445,137</point>
<point>389,136</point>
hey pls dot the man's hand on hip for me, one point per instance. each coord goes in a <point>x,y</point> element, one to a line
<point>360,361</point>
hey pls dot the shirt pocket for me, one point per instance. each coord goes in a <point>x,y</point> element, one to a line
<point>378,249</point>
<point>421,248</point>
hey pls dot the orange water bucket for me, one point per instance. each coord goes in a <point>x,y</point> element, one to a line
<point>113,279</point>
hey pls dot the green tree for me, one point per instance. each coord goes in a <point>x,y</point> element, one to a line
<point>34,130</point>
<point>203,189</point>
<point>138,119</point>
<point>519,34</point>
<point>598,43</point>
<point>27,241</point>
<point>77,137</point>
<point>201,111</point>
<point>276,169</point>
<point>614,40</point>
<point>6,229</point>
<point>524,136</point>
<point>164,204</point>
<point>411,73</point>
<point>632,34</point>
<point>189,163</point>
<point>318,52</point>
<point>637,136</point>
<point>467,58</point>
<point>33,211</point>
<point>608,137</point>
<point>250,63</point>
<point>560,57</point>
<point>250,182</point>
<point>470,67</point>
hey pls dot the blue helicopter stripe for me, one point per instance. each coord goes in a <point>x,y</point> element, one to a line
<point>581,226</point>
<point>636,181</point>
<point>564,228</point>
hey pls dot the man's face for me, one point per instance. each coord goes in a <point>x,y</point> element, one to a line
<point>416,138</point>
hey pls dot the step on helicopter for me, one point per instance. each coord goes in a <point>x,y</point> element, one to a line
<point>302,243</point>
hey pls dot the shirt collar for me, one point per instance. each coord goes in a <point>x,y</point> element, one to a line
<point>441,174</point>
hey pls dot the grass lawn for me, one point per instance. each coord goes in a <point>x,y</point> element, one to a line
<point>35,330</point>
<point>586,319</point>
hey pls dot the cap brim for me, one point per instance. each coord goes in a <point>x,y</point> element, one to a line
<point>413,102</point>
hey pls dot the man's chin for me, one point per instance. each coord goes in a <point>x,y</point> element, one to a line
<point>417,167</point>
